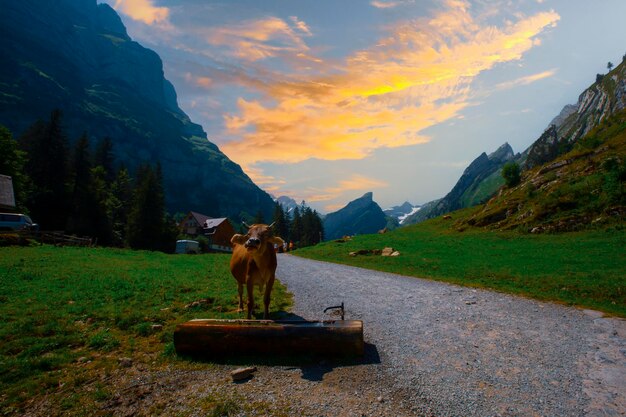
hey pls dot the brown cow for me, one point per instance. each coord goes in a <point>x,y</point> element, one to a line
<point>254,263</point>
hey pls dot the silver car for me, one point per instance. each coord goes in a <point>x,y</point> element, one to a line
<point>14,221</point>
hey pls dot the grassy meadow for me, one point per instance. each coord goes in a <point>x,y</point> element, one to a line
<point>586,269</point>
<point>69,314</point>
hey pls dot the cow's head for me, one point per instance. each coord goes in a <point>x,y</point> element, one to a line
<point>257,238</point>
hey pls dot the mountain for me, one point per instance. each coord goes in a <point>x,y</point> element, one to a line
<point>578,189</point>
<point>75,55</point>
<point>574,174</point>
<point>401,212</point>
<point>287,203</point>
<point>478,182</point>
<point>360,216</point>
<point>604,98</point>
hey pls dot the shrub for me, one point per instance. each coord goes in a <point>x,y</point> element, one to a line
<point>511,174</point>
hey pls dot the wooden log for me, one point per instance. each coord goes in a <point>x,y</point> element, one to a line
<point>225,338</point>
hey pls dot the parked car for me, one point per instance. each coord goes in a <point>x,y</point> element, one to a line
<point>15,221</point>
<point>187,246</point>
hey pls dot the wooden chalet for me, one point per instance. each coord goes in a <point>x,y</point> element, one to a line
<point>217,231</point>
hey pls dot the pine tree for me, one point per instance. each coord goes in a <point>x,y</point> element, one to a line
<point>147,227</point>
<point>104,157</point>
<point>81,214</point>
<point>120,205</point>
<point>295,230</point>
<point>46,146</point>
<point>281,226</point>
<point>258,219</point>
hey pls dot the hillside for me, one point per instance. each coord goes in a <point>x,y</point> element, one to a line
<point>360,216</point>
<point>604,98</point>
<point>75,55</point>
<point>581,188</point>
<point>479,182</point>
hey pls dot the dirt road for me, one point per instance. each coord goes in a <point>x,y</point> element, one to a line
<point>451,351</point>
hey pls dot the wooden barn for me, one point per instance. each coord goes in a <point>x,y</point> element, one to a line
<point>217,231</point>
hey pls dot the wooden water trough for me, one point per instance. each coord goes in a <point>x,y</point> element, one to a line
<point>225,338</point>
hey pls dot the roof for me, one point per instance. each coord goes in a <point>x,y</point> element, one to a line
<point>200,218</point>
<point>210,223</point>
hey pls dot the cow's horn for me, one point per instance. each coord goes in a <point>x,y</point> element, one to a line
<point>272,225</point>
<point>246,224</point>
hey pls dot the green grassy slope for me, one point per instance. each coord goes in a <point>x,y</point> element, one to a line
<point>68,314</point>
<point>580,268</point>
<point>583,187</point>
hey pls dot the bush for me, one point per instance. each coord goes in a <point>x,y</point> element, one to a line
<point>511,174</point>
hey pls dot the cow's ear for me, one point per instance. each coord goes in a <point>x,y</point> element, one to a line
<point>238,239</point>
<point>276,240</point>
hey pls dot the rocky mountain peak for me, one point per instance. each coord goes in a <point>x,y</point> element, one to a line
<point>503,154</point>
<point>601,100</point>
<point>359,216</point>
<point>109,22</point>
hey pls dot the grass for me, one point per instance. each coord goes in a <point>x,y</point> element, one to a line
<point>70,313</point>
<point>585,269</point>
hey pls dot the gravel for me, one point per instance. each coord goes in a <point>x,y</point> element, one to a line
<point>447,350</point>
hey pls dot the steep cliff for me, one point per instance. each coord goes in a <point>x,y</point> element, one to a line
<point>604,98</point>
<point>75,55</point>
<point>360,216</point>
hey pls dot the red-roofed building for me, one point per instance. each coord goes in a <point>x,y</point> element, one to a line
<point>217,231</point>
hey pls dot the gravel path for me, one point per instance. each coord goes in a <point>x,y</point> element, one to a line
<point>447,350</point>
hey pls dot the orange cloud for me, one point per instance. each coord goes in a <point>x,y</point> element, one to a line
<point>526,80</point>
<point>418,76</point>
<point>354,183</point>
<point>142,10</point>
<point>198,81</point>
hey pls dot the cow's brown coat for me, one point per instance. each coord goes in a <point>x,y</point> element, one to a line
<point>255,264</point>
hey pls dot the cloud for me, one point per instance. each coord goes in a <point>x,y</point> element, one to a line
<point>143,10</point>
<point>263,38</point>
<point>300,25</point>
<point>354,183</point>
<point>526,80</point>
<point>390,4</point>
<point>417,76</point>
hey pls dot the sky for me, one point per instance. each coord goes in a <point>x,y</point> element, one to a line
<point>325,100</point>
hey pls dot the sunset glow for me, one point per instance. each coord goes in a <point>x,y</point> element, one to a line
<point>325,103</point>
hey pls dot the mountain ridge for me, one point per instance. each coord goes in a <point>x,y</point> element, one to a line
<point>76,56</point>
<point>467,190</point>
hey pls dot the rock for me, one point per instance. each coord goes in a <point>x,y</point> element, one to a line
<point>470,302</point>
<point>395,253</point>
<point>353,254</point>
<point>537,229</point>
<point>82,359</point>
<point>243,373</point>
<point>125,362</point>
<point>447,217</point>
<point>387,251</point>
<point>157,327</point>
<point>380,399</point>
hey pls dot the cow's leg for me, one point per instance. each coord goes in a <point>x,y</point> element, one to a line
<point>240,290</point>
<point>250,287</point>
<point>266,297</point>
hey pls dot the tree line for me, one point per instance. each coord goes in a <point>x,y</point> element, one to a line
<point>79,190</point>
<point>302,227</point>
